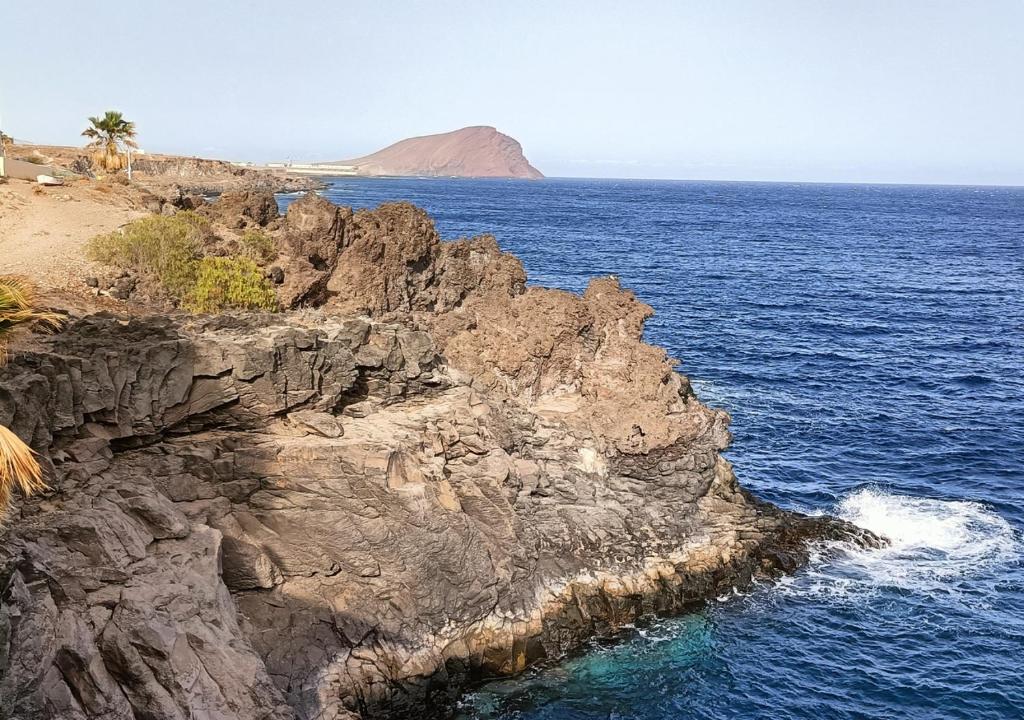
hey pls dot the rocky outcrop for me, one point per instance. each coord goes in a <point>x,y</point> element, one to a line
<point>581,357</point>
<point>389,261</point>
<point>479,151</point>
<point>436,476</point>
<point>239,209</point>
<point>116,597</point>
<point>200,175</point>
<point>174,176</point>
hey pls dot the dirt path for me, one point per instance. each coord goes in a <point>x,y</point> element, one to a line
<point>43,231</point>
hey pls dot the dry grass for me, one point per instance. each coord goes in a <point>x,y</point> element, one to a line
<point>19,467</point>
<point>17,310</point>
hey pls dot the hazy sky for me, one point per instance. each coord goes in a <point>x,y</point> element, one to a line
<point>854,90</point>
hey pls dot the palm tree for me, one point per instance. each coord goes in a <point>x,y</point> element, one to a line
<point>18,465</point>
<point>109,134</point>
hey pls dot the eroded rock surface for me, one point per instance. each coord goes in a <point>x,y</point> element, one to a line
<point>438,476</point>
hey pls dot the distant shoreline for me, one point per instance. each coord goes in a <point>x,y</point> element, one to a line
<point>679,181</point>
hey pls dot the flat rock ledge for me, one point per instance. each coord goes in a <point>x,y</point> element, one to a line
<point>304,516</point>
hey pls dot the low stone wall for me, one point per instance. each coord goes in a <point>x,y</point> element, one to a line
<point>21,170</point>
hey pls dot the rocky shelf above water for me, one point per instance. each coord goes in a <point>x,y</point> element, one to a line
<point>425,475</point>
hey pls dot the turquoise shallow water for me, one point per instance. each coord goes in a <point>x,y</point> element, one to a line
<point>869,344</point>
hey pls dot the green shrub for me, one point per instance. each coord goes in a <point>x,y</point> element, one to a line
<point>223,282</point>
<point>167,247</point>
<point>170,249</point>
<point>259,246</point>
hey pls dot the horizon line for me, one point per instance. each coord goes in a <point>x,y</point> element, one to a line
<point>893,183</point>
<point>890,183</point>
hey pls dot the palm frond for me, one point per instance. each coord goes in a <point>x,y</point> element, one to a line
<point>17,308</point>
<point>19,468</point>
<point>17,304</point>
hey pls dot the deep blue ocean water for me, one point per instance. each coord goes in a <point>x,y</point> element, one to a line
<point>869,344</point>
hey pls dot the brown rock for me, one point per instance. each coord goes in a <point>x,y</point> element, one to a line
<point>387,261</point>
<point>312,237</point>
<point>242,209</point>
<point>479,151</point>
<point>313,514</point>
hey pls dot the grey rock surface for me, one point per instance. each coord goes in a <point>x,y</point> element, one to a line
<point>439,477</point>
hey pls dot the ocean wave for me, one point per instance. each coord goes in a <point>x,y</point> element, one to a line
<point>934,545</point>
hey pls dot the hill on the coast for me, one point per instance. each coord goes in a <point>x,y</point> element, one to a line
<point>479,151</point>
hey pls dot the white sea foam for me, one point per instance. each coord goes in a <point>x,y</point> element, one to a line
<point>946,547</point>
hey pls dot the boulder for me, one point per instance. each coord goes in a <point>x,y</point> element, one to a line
<point>242,209</point>
<point>311,238</point>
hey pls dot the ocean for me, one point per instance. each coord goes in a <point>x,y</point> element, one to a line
<point>868,342</point>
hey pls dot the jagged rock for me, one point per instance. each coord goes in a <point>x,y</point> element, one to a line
<point>242,209</point>
<point>439,477</point>
<point>444,535</point>
<point>313,236</point>
<point>581,357</point>
<point>315,231</point>
<point>386,260</point>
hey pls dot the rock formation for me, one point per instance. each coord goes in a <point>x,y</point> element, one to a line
<point>434,476</point>
<point>171,176</point>
<point>479,151</point>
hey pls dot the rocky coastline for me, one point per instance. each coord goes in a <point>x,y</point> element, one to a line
<point>423,473</point>
<point>171,176</point>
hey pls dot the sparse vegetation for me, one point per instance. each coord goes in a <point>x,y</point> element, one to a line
<point>170,250</point>
<point>18,465</point>
<point>110,135</point>
<point>166,247</point>
<point>230,282</point>
<point>259,246</point>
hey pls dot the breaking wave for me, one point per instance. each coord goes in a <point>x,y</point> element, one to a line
<point>933,546</point>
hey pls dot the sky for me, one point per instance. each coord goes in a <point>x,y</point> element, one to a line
<point>928,91</point>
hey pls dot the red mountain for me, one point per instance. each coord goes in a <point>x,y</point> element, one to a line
<point>479,151</point>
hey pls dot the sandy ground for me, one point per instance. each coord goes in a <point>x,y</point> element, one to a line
<point>43,232</point>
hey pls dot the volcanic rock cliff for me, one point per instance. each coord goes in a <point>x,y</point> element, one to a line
<point>427,475</point>
<point>479,151</point>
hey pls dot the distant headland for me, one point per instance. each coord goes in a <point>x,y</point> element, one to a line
<point>479,151</point>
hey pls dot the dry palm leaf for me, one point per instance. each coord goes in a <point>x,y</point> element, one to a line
<point>17,308</point>
<point>18,468</point>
